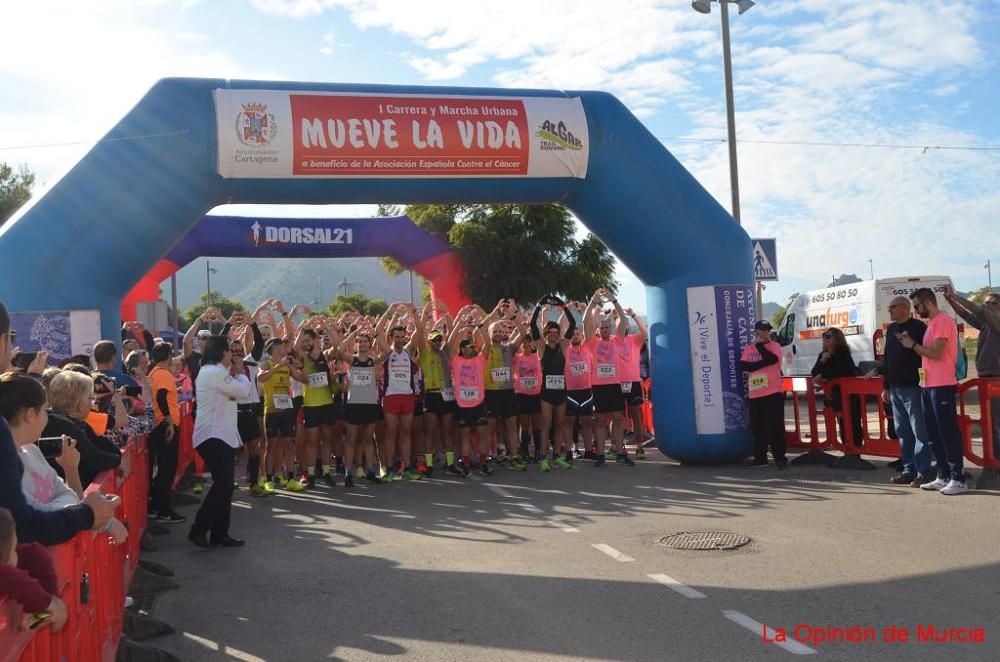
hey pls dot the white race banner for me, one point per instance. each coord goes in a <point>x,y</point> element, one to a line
<point>280,134</point>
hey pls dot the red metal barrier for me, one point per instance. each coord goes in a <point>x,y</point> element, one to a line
<point>94,627</point>
<point>185,453</point>
<point>987,389</point>
<point>647,407</point>
<point>821,431</point>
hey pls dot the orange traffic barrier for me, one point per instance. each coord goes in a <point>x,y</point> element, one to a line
<point>987,389</point>
<point>186,453</point>
<point>94,576</point>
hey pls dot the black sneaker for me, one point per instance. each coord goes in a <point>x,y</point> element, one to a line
<point>902,479</point>
<point>311,481</point>
<point>782,464</point>
<point>452,470</point>
<point>599,461</point>
<point>895,464</point>
<point>429,472</point>
<point>349,481</point>
<point>589,455</point>
<point>170,518</point>
<point>329,479</point>
<point>466,471</point>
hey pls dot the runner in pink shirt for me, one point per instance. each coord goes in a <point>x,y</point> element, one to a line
<point>605,348</point>
<point>631,381</point>
<point>467,366</point>
<point>761,361</point>
<point>579,396</point>
<point>528,388</point>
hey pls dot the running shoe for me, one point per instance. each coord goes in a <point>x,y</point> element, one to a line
<point>329,479</point>
<point>199,486</point>
<point>170,518</point>
<point>543,466</point>
<point>410,474</point>
<point>349,481</point>
<point>599,461</point>
<point>610,454</point>
<point>281,482</point>
<point>388,477</point>
<point>484,469</point>
<point>359,473</point>
<point>372,477</point>
<point>561,463</point>
<point>624,459</point>
<point>640,453</point>
<point>421,467</point>
<point>429,472</point>
<point>452,470</point>
<point>517,465</point>
<point>294,486</point>
<point>311,481</point>
<point>466,471</point>
<point>258,491</point>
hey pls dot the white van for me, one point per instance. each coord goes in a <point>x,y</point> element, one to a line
<point>860,310</point>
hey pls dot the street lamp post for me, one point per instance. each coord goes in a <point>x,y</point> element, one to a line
<point>989,275</point>
<point>705,7</point>
<point>208,286</point>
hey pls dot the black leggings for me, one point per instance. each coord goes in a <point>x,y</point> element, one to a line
<point>164,454</point>
<point>767,423</point>
<point>213,516</point>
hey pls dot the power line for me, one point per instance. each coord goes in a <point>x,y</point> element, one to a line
<point>817,143</point>
<point>98,142</point>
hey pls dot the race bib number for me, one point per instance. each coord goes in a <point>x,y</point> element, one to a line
<point>578,369</point>
<point>758,382</point>
<point>626,387</point>
<point>529,382</point>
<point>923,377</point>
<point>282,401</point>
<point>606,370</point>
<point>555,382</point>
<point>362,378</point>
<point>500,375</point>
<point>318,380</point>
<point>399,375</point>
<point>448,394</point>
<point>468,394</point>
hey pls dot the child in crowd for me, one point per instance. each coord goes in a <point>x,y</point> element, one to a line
<point>28,577</point>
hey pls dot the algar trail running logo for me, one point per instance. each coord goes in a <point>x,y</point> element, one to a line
<point>555,135</point>
<point>255,126</point>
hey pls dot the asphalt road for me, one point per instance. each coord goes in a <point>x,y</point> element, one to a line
<point>530,566</point>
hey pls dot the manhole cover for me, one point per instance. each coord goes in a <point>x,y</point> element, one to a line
<point>705,540</point>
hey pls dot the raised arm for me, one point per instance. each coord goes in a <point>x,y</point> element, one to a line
<point>193,330</point>
<point>589,328</point>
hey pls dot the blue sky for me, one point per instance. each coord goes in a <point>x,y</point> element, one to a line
<point>807,71</point>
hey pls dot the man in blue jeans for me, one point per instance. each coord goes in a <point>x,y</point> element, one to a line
<point>902,381</point>
<point>938,350</point>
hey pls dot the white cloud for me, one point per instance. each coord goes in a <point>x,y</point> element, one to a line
<point>328,43</point>
<point>80,75</point>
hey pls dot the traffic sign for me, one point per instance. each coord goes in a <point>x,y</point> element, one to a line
<point>765,259</point>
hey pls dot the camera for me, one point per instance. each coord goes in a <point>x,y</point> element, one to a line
<point>133,391</point>
<point>51,447</point>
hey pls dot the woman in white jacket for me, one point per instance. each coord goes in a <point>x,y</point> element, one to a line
<point>221,382</point>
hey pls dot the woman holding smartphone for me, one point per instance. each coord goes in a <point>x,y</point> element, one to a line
<point>221,382</point>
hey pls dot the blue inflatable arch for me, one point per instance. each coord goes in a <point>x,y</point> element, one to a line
<point>116,213</point>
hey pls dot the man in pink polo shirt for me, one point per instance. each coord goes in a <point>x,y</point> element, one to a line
<point>761,360</point>
<point>938,350</point>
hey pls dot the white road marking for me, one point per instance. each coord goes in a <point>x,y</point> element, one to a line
<point>565,527</point>
<point>675,585</point>
<point>500,492</point>
<point>613,553</point>
<point>759,630</point>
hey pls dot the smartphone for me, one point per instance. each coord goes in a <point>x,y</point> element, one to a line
<point>133,391</point>
<point>24,359</point>
<point>51,447</point>
<point>37,620</point>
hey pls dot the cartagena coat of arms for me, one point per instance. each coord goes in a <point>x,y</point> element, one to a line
<point>255,126</point>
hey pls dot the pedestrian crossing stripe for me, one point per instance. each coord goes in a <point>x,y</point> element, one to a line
<point>762,267</point>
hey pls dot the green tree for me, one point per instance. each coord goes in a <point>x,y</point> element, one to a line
<point>979,295</point>
<point>358,302</point>
<point>15,189</point>
<point>212,298</point>
<point>520,251</point>
<point>779,314</point>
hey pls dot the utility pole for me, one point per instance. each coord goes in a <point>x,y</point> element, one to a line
<point>989,274</point>
<point>871,269</point>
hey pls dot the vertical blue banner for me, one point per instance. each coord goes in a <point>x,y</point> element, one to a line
<point>721,319</point>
